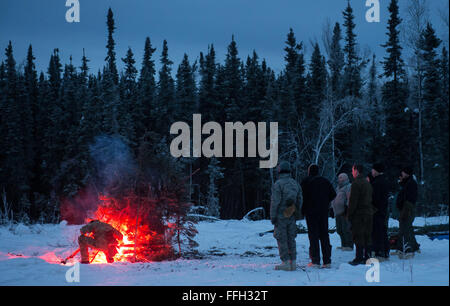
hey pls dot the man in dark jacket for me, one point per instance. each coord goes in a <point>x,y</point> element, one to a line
<point>406,203</point>
<point>317,195</point>
<point>380,195</point>
<point>360,214</point>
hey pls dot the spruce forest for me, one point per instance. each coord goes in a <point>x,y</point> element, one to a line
<point>334,108</point>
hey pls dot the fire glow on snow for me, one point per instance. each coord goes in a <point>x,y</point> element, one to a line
<point>141,241</point>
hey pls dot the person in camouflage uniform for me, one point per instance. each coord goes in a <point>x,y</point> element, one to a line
<point>284,211</point>
<point>360,214</point>
<point>104,239</point>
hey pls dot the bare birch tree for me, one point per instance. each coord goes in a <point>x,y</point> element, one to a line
<point>417,13</point>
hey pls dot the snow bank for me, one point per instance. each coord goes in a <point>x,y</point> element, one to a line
<point>234,253</point>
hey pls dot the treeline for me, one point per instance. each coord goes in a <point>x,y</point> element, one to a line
<point>335,108</point>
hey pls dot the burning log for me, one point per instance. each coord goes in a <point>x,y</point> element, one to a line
<point>145,225</point>
<point>64,261</point>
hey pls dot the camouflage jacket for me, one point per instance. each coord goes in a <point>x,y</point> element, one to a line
<point>102,231</point>
<point>283,188</point>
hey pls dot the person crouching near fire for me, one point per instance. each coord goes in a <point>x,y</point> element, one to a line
<point>284,211</point>
<point>100,236</point>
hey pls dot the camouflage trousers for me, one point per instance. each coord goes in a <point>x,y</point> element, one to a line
<point>101,245</point>
<point>285,232</point>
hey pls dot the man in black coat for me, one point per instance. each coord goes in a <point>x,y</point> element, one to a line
<point>380,195</point>
<point>406,204</point>
<point>317,195</point>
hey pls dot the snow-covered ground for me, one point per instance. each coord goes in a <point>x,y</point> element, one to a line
<point>234,254</point>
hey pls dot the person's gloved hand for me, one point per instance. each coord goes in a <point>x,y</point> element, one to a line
<point>274,221</point>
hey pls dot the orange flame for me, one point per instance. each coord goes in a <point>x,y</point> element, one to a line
<point>137,235</point>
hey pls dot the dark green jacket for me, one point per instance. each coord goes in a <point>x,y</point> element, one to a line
<point>360,202</point>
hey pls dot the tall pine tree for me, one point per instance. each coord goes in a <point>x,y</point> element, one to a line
<point>433,106</point>
<point>400,146</point>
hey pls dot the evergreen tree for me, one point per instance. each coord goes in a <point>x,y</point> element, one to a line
<point>47,123</point>
<point>317,84</point>
<point>393,64</point>
<point>30,112</point>
<point>399,144</point>
<point>89,122</point>
<point>351,142</point>
<point>233,84</point>
<point>127,106</point>
<point>110,91</point>
<point>291,56</point>
<point>186,91</point>
<point>71,112</point>
<point>15,163</point>
<point>293,83</point>
<point>433,107</point>
<point>352,77</point>
<point>66,181</point>
<point>254,88</point>
<point>166,93</point>
<point>376,114</point>
<point>42,124</point>
<point>54,75</point>
<point>51,122</point>
<point>444,72</point>
<point>84,68</point>
<point>212,201</point>
<point>208,100</point>
<point>111,55</point>
<point>145,115</point>
<point>3,82</point>
<point>336,62</point>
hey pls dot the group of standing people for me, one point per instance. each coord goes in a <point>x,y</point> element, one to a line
<point>360,209</point>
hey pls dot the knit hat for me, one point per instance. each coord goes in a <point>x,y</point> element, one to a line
<point>379,167</point>
<point>313,170</point>
<point>408,170</point>
<point>284,167</point>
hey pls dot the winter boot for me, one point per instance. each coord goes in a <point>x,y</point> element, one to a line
<point>293,265</point>
<point>357,261</point>
<point>284,266</point>
<point>359,257</point>
<point>313,265</point>
<point>368,253</point>
<point>381,256</point>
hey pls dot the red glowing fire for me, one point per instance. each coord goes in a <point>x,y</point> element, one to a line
<point>145,236</point>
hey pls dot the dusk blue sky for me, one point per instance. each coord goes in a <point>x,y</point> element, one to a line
<point>188,26</point>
